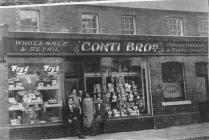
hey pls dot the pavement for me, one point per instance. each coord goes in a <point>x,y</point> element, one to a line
<point>197,131</point>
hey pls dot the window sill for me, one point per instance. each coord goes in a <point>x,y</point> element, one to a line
<point>176,103</point>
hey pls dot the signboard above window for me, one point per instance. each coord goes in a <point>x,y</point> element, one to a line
<point>82,46</point>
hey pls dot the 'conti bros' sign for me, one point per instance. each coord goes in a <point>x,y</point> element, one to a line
<point>135,47</point>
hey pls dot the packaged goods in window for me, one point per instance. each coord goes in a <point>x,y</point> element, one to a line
<point>53,101</point>
<point>40,84</point>
<point>16,121</point>
<point>130,97</point>
<point>110,87</point>
<point>116,113</point>
<point>97,88</point>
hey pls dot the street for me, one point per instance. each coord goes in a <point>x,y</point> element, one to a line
<point>198,131</point>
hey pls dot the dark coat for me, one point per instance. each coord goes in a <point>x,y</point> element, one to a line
<point>68,114</point>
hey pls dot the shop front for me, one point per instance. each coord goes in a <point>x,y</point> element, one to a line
<point>116,71</point>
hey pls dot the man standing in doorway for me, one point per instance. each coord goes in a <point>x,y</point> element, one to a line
<point>71,114</point>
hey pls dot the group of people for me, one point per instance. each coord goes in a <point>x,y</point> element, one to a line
<point>82,116</point>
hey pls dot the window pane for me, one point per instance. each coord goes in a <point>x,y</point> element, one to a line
<point>29,19</point>
<point>201,69</point>
<point>173,81</point>
<point>89,23</point>
<point>175,26</point>
<point>204,25</point>
<point>127,25</point>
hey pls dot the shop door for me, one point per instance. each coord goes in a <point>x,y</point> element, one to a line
<point>69,84</point>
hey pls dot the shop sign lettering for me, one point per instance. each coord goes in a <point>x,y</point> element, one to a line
<point>142,47</point>
<point>51,69</point>
<point>41,43</point>
<point>19,69</point>
<point>39,46</point>
<point>99,46</point>
<point>116,47</point>
<point>171,90</point>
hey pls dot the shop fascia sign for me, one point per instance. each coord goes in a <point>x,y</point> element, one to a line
<point>106,46</point>
<point>116,47</point>
<point>34,46</point>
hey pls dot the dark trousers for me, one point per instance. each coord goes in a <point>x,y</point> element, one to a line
<point>74,128</point>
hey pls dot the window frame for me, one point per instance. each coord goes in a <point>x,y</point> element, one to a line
<point>30,27</point>
<point>173,27</point>
<point>129,25</point>
<point>202,24</point>
<point>198,65</point>
<point>182,81</point>
<point>86,30</point>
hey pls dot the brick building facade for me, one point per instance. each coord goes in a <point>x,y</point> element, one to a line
<point>153,26</point>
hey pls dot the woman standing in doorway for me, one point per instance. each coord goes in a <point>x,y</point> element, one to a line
<point>88,112</point>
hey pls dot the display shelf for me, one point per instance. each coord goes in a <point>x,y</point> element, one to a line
<point>33,103</point>
<point>48,88</point>
<point>16,88</point>
<point>16,107</point>
<point>47,105</point>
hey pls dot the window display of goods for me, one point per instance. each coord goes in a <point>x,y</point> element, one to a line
<point>13,101</point>
<point>97,88</point>
<point>15,121</point>
<point>122,95</point>
<point>17,106</point>
<point>33,97</point>
<point>53,101</point>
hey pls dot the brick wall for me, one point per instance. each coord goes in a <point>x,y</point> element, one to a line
<point>149,22</point>
<point>67,18</point>
<point>162,112</point>
<point>190,83</point>
<point>37,132</point>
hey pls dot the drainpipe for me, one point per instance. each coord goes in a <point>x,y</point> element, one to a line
<point>4,28</point>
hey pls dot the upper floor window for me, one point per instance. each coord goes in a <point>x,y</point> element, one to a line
<point>201,69</point>
<point>90,23</point>
<point>29,20</point>
<point>173,81</point>
<point>203,26</point>
<point>175,26</point>
<point>127,25</point>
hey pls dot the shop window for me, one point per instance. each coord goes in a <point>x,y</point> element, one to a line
<point>173,81</point>
<point>34,93</point>
<point>175,26</point>
<point>127,24</point>
<point>201,69</point>
<point>203,26</point>
<point>118,83</point>
<point>29,20</point>
<point>90,23</point>
<point>119,86</point>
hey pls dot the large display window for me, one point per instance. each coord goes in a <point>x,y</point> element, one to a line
<point>34,93</point>
<point>118,82</point>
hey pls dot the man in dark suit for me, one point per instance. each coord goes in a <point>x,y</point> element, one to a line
<point>71,118</point>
